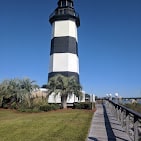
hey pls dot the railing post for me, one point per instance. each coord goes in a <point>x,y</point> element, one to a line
<point>136,132</point>
<point>122,117</point>
<point>130,120</point>
<point>113,109</point>
<point>118,113</point>
<point>127,122</point>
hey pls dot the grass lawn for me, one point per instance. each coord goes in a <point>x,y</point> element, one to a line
<point>61,125</point>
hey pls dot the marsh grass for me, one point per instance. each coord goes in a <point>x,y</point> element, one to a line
<point>61,125</point>
<point>134,106</point>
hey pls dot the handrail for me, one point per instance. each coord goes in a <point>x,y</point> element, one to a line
<point>64,11</point>
<point>129,119</point>
<point>127,109</point>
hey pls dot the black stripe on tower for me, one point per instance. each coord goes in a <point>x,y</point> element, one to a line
<point>64,44</point>
<point>64,73</point>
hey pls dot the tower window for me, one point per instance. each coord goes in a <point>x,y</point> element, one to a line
<point>69,4</point>
<point>63,4</point>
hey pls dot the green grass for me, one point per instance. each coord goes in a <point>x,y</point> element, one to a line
<point>61,125</point>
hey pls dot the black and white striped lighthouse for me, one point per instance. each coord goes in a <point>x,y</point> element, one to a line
<point>64,58</point>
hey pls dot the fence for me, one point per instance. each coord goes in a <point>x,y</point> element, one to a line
<point>129,119</point>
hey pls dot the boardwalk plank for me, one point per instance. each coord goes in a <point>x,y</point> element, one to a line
<point>105,127</point>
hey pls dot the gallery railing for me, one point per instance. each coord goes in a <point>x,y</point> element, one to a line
<point>129,119</point>
<point>64,11</point>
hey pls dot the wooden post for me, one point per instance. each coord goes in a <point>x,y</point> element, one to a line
<point>130,120</point>
<point>127,122</point>
<point>122,117</point>
<point>136,132</point>
<point>113,109</point>
<point>117,112</point>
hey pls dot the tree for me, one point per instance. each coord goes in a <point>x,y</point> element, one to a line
<point>8,91</point>
<point>16,90</point>
<point>3,90</point>
<point>65,86</point>
<point>27,86</point>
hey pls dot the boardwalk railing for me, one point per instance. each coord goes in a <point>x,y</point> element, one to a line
<point>129,119</point>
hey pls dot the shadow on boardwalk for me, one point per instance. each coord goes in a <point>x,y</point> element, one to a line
<point>110,133</point>
<point>105,127</point>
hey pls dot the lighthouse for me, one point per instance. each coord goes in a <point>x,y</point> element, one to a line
<point>64,58</point>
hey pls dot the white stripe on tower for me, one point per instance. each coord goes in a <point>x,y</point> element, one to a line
<point>64,62</point>
<point>64,51</point>
<point>64,28</point>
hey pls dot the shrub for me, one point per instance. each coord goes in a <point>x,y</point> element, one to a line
<point>35,110</point>
<point>23,107</point>
<point>84,105</point>
<point>29,110</point>
<point>14,105</point>
<point>1,101</point>
<point>45,107</point>
<point>5,106</point>
<point>55,106</point>
<point>49,107</point>
<point>77,106</point>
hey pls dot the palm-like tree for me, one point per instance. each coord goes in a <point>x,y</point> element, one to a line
<point>27,86</point>
<point>3,90</point>
<point>17,89</point>
<point>9,89</point>
<point>65,86</point>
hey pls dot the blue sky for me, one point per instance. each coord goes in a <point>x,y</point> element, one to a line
<point>109,43</point>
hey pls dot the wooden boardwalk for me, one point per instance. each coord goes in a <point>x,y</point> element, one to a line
<point>105,127</point>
